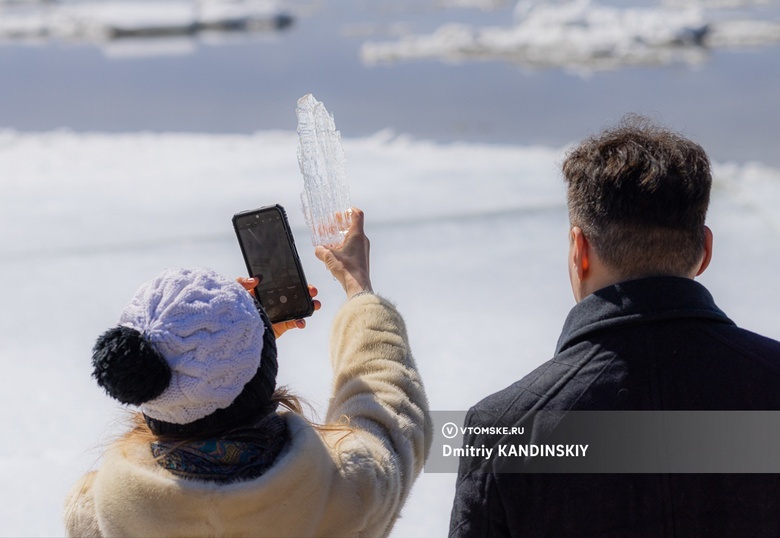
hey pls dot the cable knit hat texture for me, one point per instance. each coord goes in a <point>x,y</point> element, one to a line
<point>187,344</point>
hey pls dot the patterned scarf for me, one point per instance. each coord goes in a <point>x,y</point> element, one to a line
<point>242,454</point>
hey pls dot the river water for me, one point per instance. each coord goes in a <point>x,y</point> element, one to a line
<point>251,83</point>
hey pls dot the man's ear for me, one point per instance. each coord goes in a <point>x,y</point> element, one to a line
<point>707,257</point>
<point>580,253</point>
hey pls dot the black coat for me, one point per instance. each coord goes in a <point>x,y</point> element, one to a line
<point>651,344</point>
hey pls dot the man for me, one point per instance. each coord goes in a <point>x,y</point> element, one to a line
<point>643,336</point>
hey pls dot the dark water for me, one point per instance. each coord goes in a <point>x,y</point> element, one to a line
<point>729,103</point>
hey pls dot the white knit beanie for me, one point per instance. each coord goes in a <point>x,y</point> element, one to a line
<point>209,332</point>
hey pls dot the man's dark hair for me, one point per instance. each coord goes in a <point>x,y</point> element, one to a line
<point>640,194</point>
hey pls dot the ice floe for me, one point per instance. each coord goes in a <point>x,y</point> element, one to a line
<point>94,20</point>
<point>583,35</point>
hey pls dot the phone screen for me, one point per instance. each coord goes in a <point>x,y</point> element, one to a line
<point>271,257</point>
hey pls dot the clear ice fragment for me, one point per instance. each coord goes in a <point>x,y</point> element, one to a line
<point>325,197</point>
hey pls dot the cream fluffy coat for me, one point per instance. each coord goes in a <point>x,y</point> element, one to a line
<point>326,482</point>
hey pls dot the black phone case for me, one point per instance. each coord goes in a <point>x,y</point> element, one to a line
<point>290,241</point>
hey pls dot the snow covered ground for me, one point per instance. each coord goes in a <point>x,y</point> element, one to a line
<point>469,240</point>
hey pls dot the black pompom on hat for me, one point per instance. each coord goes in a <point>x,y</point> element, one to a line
<point>128,367</point>
<point>190,345</point>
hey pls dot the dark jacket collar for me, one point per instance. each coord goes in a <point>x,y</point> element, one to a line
<point>639,301</point>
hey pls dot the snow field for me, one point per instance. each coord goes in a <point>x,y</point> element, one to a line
<point>469,240</point>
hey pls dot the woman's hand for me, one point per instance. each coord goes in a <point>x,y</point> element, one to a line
<point>349,262</point>
<point>280,328</point>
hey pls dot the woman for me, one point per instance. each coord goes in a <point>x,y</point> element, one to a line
<point>212,456</point>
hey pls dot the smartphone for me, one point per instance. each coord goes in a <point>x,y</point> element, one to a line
<point>268,247</point>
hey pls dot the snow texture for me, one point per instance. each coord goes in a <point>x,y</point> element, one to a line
<point>462,235</point>
<point>325,197</point>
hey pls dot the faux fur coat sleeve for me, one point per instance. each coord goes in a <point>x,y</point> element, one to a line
<point>348,478</point>
<point>378,390</point>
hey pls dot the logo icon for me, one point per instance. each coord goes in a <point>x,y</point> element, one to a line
<point>449,430</point>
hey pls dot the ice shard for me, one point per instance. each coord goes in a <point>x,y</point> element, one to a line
<point>325,197</point>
